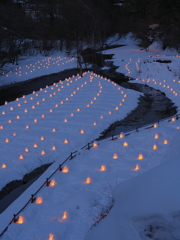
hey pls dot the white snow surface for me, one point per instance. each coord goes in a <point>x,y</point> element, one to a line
<point>142,181</point>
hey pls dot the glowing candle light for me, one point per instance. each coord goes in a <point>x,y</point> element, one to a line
<point>56,105</point>
<point>88,180</point>
<point>101,116</point>
<point>95,124</point>
<point>72,115</point>
<point>1,127</point>
<point>33,107</point>
<point>53,148</point>
<point>155,147</point>
<point>7,140</point>
<point>25,110</point>
<point>65,120</point>
<point>27,127</point>
<point>3,112</point>
<point>156,136</point>
<point>66,141</point>
<point>35,120</point>
<point>53,130</point>
<point>42,138</point>
<point>61,102</point>
<point>121,135</point>
<point>52,183</point>
<point>82,131</point>
<point>78,110</point>
<point>116,108</point>
<point>115,156</point>
<point>155,125</point>
<point>165,141</point>
<point>109,112</point>
<point>103,168</point>
<point>125,144</point>
<point>51,237</point>
<point>65,169</point>
<point>11,108</point>
<point>137,168</point>
<point>173,120</point>
<point>20,220</point>
<point>35,145</point>
<point>21,157</point>
<point>43,152</point>
<point>50,110</point>
<point>140,157</point>
<point>39,200</point>
<point>26,150</point>
<point>3,165</point>
<point>42,116</point>
<point>95,144</point>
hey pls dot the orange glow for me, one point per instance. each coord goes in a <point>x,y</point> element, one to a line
<point>50,110</point>
<point>39,200</point>
<point>137,168</point>
<point>26,150</point>
<point>61,102</point>
<point>81,131</point>
<point>156,136</point>
<point>103,168</point>
<point>43,116</point>
<point>72,115</point>
<point>155,125</point>
<point>11,108</point>
<point>53,130</point>
<point>33,107</point>
<point>52,183</point>
<point>65,120</point>
<point>43,152</point>
<point>51,237</point>
<point>4,165</point>
<point>53,148</point>
<point>88,180</point>
<point>65,169</point>
<point>155,147</point>
<point>42,138</point>
<point>35,120</point>
<point>78,110</point>
<point>95,144</point>
<point>109,112</point>
<point>6,140</point>
<point>115,156</point>
<point>27,127</point>
<point>56,105</point>
<point>125,144</point>
<point>20,220</point>
<point>94,123</point>
<point>165,141</point>
<point>101,116</point>
<point>140,157</point>
<point>17,117</point>
<point>87,105</point>
<point>35,145</point>
<point>1,127</point>
<point>21,157</point>
<point>66,141</point>
<point>121,135</point>
<point>25,110</point>
<point>65,215</point>
<point>3,112</point>
<point>173,120</point>
<point>116,108</point>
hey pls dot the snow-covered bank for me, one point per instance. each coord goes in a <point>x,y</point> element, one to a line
<point>84,190</point>
<point>36,66</point>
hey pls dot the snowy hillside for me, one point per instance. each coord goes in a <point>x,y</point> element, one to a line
<point>141,166</point>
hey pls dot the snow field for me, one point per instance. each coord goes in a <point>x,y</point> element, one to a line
<point>35,67</point>
<point>41,127</point>
<point>83,203</point>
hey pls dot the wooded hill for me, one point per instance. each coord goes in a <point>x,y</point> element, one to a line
<point>31,26</point>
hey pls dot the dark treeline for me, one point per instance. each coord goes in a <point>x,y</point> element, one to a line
<point>33,26</point>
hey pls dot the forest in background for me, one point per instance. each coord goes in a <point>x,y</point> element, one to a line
<point>39,26</point>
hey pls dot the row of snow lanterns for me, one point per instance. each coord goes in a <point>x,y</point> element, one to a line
<point>127,66</point>
<point>21,157</point>
<point>41,64</point>
<point>161,84</point>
